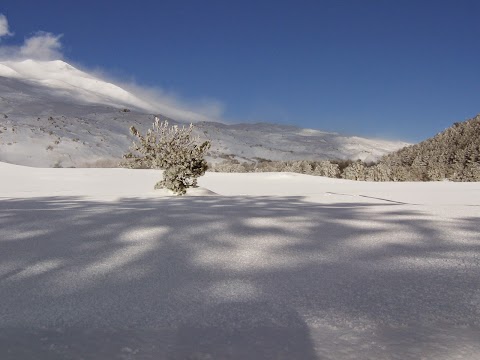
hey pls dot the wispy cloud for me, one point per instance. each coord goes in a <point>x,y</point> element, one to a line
<point>41,46</point>
<point>172,105</point>
<point>4,31</point>
<point>159,101</point>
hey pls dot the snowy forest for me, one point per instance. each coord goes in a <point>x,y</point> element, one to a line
<point>453,154</point>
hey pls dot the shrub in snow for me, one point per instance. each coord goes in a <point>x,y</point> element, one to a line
<point>172,149</point>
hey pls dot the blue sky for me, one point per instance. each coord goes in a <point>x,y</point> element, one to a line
<point>379,68</point>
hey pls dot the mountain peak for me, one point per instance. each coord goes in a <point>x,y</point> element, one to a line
<point>59,76</point>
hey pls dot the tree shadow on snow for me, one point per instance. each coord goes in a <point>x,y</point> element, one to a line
<point>228,277</point>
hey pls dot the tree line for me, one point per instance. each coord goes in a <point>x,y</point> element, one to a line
<point>453,154</point>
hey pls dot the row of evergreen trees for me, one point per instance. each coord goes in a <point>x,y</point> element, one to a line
<point>453,154</point>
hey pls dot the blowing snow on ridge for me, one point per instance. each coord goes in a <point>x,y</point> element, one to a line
<point>53,114</point>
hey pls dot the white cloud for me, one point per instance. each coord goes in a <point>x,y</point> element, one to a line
<point>4,31</point>
<point>42,46</point>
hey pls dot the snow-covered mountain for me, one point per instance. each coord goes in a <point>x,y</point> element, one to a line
<point>52,114</point>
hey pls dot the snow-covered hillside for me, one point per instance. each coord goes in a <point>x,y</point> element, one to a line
<point>52,114</point>
<point>95,264</point>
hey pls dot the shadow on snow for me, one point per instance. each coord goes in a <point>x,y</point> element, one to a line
<point>227,277</point>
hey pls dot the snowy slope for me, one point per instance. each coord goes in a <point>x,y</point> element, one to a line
<point>283,142</point>
<point>52,114</point>
<point>95,264</point>
<point>61,77</point>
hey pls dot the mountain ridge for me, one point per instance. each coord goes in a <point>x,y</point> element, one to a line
<point>52,114</point>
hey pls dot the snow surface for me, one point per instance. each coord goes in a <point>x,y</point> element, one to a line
<point>95,264</point>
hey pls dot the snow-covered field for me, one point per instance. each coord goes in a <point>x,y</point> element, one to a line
<point>94,264</point>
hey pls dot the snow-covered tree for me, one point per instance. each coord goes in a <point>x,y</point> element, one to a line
<point>326,168</point>
<point>172,149</point>
<point>354,171</point>
<point>453,154</point>
<point>379,172</point>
